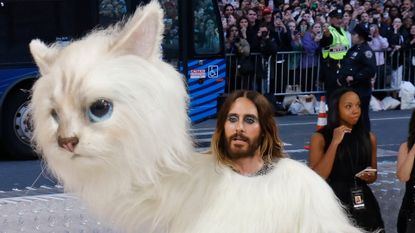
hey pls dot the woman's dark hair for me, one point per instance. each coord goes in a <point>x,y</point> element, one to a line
<point>359,136</point>
<point>240,19</point>
<point>228,31</point>
<point>411,131</point>
<point>226,6</point>
<point>333,118</point>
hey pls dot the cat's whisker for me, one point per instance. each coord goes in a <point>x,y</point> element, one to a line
<point>43,168</point>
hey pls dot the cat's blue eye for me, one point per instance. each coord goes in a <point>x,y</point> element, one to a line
<point>100,110</point>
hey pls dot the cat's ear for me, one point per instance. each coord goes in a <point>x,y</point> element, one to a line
<point>43,55</point>
<point>142,34</point>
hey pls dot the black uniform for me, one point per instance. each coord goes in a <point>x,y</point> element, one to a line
<point>360,63</point>
<point>330,67</point>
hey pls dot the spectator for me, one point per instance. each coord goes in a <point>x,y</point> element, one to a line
<point>348,24</point>
<point>410,51</point>
<point>319,18</point>
<point>229,18</point>
<point>267,49</point>
<point>343,148</point>
<point>303,26</point>
<point>310,58</point>
<point>238,46</point>
<point>405,171</point>
<point>367,6</point>
<point>244,6</point>
<point>294,58</point>
<point>397,37</point>
<point>407,23</point>
<point>394,12</point>
<point>348,8</point>
<point>287,15</point>
<point>307,17</point>
<point>267,17</point>
<point>243,26</point>
<point>282,38</point>
<point>378,44</point>
<point>364,20</point>
<point>407,9</point>
<point>252,30</point>
<point>380,23</point>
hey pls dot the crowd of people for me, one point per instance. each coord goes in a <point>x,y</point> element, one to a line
<point>284,26</point>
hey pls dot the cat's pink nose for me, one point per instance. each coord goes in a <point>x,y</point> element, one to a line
<point>68,144</point>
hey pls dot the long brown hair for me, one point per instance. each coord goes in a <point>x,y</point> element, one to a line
<point>271,145</point>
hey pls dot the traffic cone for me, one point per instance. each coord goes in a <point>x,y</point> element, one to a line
<point>322,118</point>
<point>322,115</point>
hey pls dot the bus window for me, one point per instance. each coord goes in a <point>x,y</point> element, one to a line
<point>48,20</point>
<point>171,30</point>
<point>205,28</point>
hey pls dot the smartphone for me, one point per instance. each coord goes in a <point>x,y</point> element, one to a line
<point>368,169</point>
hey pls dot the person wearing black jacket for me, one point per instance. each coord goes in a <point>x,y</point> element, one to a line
<point>358,69</point>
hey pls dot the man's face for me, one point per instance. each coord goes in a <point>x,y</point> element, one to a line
<point>307,17</point>
<point>336,21</point>
<point>242,129</point>
<point>407,5</point>
<point>252,16</point>
<point>364,17</point>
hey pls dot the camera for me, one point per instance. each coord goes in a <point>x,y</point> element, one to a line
<point>264,33</point>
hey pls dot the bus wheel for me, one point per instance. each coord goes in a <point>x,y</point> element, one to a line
<point>17,126</point>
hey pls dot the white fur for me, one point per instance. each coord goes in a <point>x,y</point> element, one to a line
<point>138,167</point>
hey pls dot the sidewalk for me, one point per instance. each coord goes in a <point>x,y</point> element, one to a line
<point>389,192</point>
<point>64,213</point>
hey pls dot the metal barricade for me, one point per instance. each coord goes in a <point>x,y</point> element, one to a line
<point>244,72</point>
<point>298,72</point>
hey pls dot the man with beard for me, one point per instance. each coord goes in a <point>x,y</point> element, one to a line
<point>246,137</point>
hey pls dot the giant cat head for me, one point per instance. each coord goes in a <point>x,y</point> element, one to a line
<point>107,105</point>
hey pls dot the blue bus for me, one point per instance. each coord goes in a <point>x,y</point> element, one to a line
<point>193,43</point>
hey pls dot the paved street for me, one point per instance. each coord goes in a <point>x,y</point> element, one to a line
<point>44,208</point>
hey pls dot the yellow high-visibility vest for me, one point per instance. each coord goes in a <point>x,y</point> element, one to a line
<point>339,46</point>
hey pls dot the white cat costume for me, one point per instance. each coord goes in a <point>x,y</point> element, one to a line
<point>136,166</point>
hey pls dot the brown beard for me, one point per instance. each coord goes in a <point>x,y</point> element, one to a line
<point>250,152</point>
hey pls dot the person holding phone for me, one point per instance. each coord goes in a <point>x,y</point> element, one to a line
<point>310,58</point>
<point>405,171</point>
<point>340,151</point>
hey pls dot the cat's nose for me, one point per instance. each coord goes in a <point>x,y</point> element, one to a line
<point>68,144</point>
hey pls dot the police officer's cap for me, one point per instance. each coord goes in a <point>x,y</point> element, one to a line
<point>336,13</point>
<point>362,32</point>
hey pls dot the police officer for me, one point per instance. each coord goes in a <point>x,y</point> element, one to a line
<point>358,69</point>
<point>335,44</point>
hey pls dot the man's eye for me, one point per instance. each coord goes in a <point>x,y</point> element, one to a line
<point>250,120</point>
<point>233,119</point>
